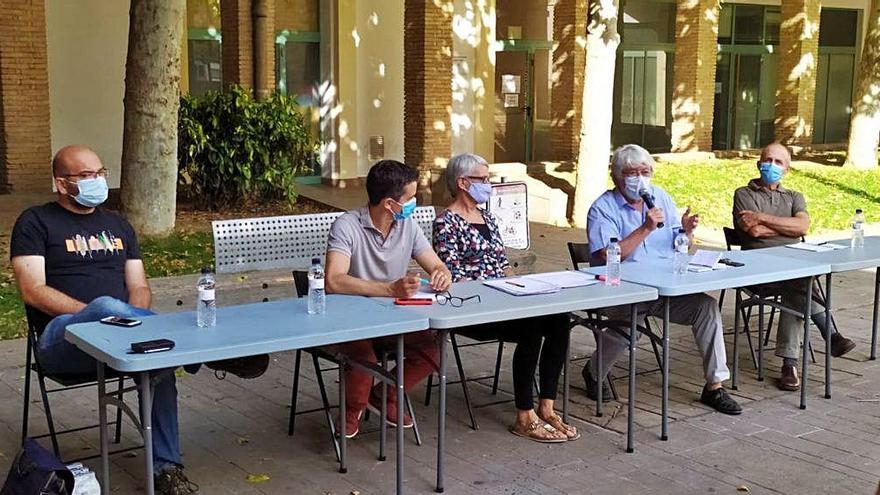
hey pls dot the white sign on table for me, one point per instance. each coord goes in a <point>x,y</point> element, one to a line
<point>510,205</point>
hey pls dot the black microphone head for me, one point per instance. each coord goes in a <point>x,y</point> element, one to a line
<point>644,192</point>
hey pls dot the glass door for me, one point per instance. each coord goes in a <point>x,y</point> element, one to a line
<point>513,106</point>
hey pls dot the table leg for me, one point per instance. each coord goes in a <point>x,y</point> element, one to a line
<point>600,379</point>
<point>102,426</point>
<point>343,468</point>
<point>565,379</point>
<point>761,341</point>
<point>736,315</point>
<point>383,426</point>
<point>400,413</point>
<point>631,406</point>
<point>876,319</point>
<point>827,337</point>
<point>664,427</point>
<point>146,387</point>
<point>441,410</point>
<point>808,309</point>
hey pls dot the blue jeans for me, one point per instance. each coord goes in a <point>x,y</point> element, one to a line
<point>58,356</point>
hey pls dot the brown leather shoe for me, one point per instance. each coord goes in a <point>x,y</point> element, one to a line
<point>789,380</point>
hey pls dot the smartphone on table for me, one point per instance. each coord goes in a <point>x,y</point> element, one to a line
<point>120,321</point>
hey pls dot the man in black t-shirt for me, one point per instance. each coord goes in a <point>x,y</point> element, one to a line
<point>76,262</point>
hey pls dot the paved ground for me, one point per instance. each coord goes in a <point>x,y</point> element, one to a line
<point>232,429</point>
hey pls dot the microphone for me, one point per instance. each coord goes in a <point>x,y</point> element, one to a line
<point>649,201</point>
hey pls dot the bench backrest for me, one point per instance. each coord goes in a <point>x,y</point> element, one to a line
<point>290,241</point>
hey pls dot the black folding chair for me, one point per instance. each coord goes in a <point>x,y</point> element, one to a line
<point>63,382</point>
<point>301,282</point>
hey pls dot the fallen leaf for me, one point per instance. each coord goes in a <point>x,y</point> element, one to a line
<point>179,373</point>
<point>742,488</point>
<point>355,492</point>
<point>257,478</point>
<point>243,440</point>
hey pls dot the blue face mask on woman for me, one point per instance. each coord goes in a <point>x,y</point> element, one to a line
<point>771,173</point>
<point>406,209</point>
<point>92,192</point>
<point>481,192</point>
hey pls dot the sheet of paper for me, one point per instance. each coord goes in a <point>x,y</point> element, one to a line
<point>705,258</point>
<point>425,293</point>
<point>522,286</point>
<point>566,279</point>
<point>816,248</point>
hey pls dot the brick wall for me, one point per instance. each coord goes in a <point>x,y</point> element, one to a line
<point>693,97</point>
<point>427,88</point>
<point>236,17</point>
<point>25,150</point>
<point>796,72</point>
<point>569,56</point>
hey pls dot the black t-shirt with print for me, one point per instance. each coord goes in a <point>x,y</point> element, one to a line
<point>85,255</point>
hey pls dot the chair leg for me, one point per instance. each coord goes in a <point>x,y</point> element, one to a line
<point>747,314</point>
<point>320,377</point>
<point>428,389</point>
<point>611,386</point>
<point>463,379</point>
<point>48,408</point>
<point>497,367</point>
<point>119,389</point>
<point>721,299</point>
<point>27,393</point>
<point>295,392</point>
<point>770,325</point>
<point>412,414</point>
<point>653,343</point>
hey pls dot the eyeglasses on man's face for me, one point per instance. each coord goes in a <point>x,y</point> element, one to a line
<point>87,175</point>
<point>444,298</point>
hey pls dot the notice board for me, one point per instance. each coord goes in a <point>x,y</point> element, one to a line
<point>509,204</point>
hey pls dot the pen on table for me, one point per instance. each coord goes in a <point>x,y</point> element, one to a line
<point>521,286</point>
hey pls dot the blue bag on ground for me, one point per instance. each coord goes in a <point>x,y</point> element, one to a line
<point>36,471</point>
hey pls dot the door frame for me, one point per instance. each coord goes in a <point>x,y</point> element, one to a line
<point>529,47</point>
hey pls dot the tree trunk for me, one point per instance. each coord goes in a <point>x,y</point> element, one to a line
<point>152,98</point>
<point>596,115</point>
<point>864,125</point>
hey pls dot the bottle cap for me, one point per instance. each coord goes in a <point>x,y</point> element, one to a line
<point>614,239</point>
<point>207,269</point>
<point>858,210</point>
<point>316,261</point>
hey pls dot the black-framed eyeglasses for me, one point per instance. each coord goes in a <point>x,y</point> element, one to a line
<point>474,178</point>
<point>87,175</point>
<point>455,301</point>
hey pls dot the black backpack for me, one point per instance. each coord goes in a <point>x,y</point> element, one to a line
<point>35,471</point>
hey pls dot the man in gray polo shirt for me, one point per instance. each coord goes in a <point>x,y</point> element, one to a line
<point>765,214</point>
<point>368,252</point>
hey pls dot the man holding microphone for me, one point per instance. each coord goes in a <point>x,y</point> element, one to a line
<point>646,229</point>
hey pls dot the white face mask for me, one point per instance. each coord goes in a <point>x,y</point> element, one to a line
<point>632,186</point>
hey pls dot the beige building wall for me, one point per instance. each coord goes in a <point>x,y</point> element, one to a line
<point>473,78</point>
<point>87,45</point>
<point>370,83</point>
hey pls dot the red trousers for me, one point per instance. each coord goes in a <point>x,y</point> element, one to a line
<point>421,352</point>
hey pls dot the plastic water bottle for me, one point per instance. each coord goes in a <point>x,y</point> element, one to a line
<point>206,306</point>
<point>858,230</point>
<point>317,304</point>
<point>612,263</point>
<point>680,244</point>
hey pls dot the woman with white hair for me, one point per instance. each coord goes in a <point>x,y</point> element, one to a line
<point>467,239</point>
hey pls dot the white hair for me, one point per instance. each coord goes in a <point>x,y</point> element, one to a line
<point>630,155</point>
<point>460,166</point>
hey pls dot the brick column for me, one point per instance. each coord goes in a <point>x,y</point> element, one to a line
<point>569,56</point>
<point>693,96</point>
<point>25,149</point>
<point>796,72</point>
<point>427,89</point>
<point>238,42</point>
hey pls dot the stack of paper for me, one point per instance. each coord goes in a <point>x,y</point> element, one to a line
<point>816,247</point>
<point>566,279</point>
<point>522,286</point>
<point>705,261</point>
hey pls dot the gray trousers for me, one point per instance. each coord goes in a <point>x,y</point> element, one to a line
<point>700,311</point>
<point>790,334</point>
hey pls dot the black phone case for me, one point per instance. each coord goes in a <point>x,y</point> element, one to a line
<point>150,346</point>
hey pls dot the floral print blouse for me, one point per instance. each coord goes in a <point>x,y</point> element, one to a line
<point>467,254</point>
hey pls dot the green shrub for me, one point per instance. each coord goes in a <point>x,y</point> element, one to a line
<point>233,148</point>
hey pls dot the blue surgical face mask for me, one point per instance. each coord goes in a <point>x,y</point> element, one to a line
<point>406,209</point>
<point>771,173</point>
<point>480,192</point>
<point>92,192</point>
<point>632,186</point>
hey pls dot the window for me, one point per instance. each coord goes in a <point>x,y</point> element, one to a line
<point>205,62</point>
<point>743,24</point>
<point>643,91</point>
<point>299,66</point>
